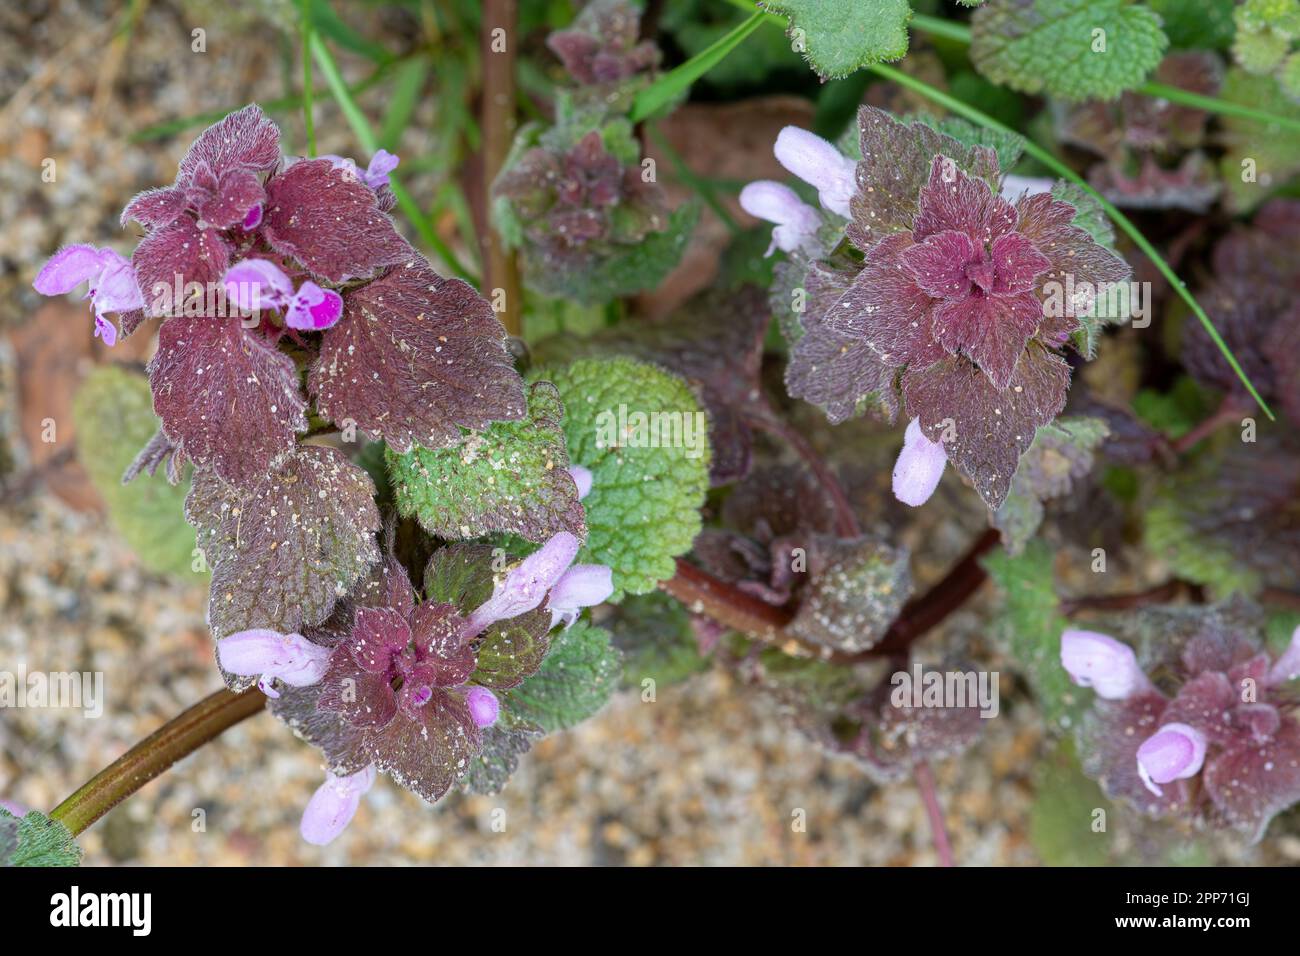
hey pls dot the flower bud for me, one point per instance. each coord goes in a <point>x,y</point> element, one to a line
<point>1098,661</point>
<point>1174,752</point>
<point>333,806</point>
<point>483,706</point>
<point>919,467</point>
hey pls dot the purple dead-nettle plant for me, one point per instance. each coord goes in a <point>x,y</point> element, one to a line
<point>940,302</point>
<point>1207,731</point>
<point>315,285</point>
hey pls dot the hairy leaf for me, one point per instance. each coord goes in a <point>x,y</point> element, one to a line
<point>855,590</point>
<point>1062,452</point>
<point>1074,49</point>
<point>1030,626</point>
<point>510,477</point>
<point>644,437</point>
<point>837,37</point>
<point>227,398</point>
<point>415,359</point>
<point>576,679</point>
<point>35,840</point>
<point>284,550</point>
<point>331,223</point>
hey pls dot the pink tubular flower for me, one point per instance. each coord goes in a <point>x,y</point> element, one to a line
<point>583,585</point>
<point>333,805</point>
<point>1099,661</point>
<point>268,655</point>
<point>255,284</point>
<point>583,478</point>
<point>526,585</point>
<point>375,175</point>
<point>483,706</point>
<point>796,221</point>
<point>111,279</point>
<point>1174,752</point>
<point>818,163</point>
<point>919,467</point>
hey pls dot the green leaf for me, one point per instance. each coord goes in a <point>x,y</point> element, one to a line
<point>1063,814</point>
<point>512,651</point>
<point>655,635</point>
<point>576,680</point>
<point>1088,214</point>
<point>677,81</point>
<point>1061,452</point>
<point>503,744</point>
<point>642,434</point>
<point>510,477</point>
<point>36,840</point>
<point>1072,49</point>
<point>1259,156</point>
<point>114,418</point>
<point>1029,629</point>
<point>840,36</point>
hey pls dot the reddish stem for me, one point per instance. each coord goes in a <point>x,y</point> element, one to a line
<point>1228,412</point>
<point>930,797</point>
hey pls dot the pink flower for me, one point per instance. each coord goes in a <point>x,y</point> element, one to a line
<point>269,655</point>
<point>483,706</point>
<point>526,585</point>
<point>333,805</point>
<point>583,478</point>
<point>112,283</point>
<point>796,221</point>
<point>583,585</point>
<point>818,163</point>
<point>1174,752</point>
<point>919,467</point>
<point>375,175</point>
<point>1106,665</point>
<point>255,284</point>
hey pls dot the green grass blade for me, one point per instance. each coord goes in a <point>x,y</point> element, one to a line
<point>407,86</point>
<point>370,142</point>
<point>679,79</point>
<point>304,25</point>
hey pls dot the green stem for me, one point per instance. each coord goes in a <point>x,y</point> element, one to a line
<point>305,17</point>
<point>1047,159</point>
<point>679,79</point>
<point>937,26</point>
<point>370,142</point>
<point>178,738</point>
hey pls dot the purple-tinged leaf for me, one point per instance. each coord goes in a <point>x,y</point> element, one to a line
<point>245,137</point>
<point>985,429</point>
<point>896,163</point>
<point>155,208</point>
<point>227,399</point>
<point>415,358</point>
<point>283,551</point>
<point>331,223</point>
<point>226,201</point>
<point>175,256</point>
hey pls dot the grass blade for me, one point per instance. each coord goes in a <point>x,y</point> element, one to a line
<point>679,79</point>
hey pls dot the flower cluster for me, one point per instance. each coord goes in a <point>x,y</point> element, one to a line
<point>951,313</point>
<point>406,689</point>
<point>1223,717</point>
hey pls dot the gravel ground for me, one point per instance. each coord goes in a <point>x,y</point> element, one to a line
<point>708,774</point>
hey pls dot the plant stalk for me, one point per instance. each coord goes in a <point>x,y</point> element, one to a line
<point>178,738</point>
<point>500,37</point>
